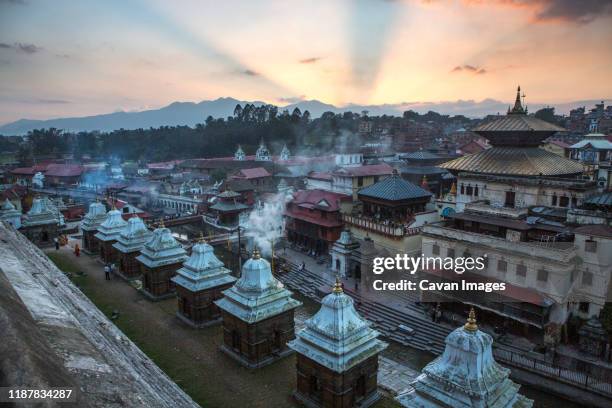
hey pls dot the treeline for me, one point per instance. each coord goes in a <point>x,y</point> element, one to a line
<point>215,137</point>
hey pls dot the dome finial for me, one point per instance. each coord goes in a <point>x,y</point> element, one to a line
<point>471,321</point>
<point>337,286</point>
<point>256,254</point>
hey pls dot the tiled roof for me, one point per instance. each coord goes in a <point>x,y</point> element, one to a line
<point>256,172</point>
<point>520,161</point>
<point>394,188</point>
<point>28,171</point>
<point>317,175</point>
<point>64,170</point>
<point>324,200</point>
<point>597,141</point>
<point>367,170</point>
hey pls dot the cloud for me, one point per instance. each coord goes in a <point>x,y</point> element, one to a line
<point>310,60</point>
<point>292,99</point>
<point>582,12</point>
<point>573,11</point>
<point>51,101</point>
<point>22,47</point>
<point>470,69</point>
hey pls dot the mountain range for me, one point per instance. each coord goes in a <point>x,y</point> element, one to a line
<point>191,113</point>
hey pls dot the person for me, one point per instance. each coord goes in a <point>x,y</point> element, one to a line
<point>56,241</point>
<point>107,272</point>
<point>77,250</point>
<point>112,269</point>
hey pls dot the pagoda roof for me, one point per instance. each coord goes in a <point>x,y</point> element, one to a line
<point>40,214</point>
<point>419,155</point>
<point>257,295</point>
<point>336,336</point>
<point>202,270</point>
<point>94,217</point>
<point>112,226</point>
<point>518,161</point>
<point>133,237</point>
<point>394,188</point>
<point>225,206</point>
<point>514,123</point>
<point>161,249</point>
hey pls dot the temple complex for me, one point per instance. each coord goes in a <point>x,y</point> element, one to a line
<point>89,227</point>
<point>128,246</point>
<point>465,375</point>
<point>10,214</point>
<point>257,314</point>
<point>199,283</point>
<point>40,224</point>
<point>337,356</point>
<point>108,233</point>
<point>160,258</point>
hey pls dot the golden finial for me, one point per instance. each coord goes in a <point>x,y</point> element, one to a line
<point>471,321</point>
<point>453,190</point>
<point>256,254</point>
<point>337,286</point>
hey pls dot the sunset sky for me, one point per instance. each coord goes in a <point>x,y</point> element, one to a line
<point>74,58</point>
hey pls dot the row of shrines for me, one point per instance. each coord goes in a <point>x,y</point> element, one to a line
<point>337,351</point>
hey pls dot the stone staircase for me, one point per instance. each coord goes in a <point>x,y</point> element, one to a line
<point>416,331</point>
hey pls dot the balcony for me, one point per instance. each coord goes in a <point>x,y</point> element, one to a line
<point>551,251</point>
<point>397,231</point>
<point>485,208</point>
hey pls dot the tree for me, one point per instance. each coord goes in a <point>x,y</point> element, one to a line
<point>238,112</point>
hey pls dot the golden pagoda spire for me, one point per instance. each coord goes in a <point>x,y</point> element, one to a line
<point>518,106</point>
<point>453,190</point>
<point>337,286</point>
<point>471,321</point>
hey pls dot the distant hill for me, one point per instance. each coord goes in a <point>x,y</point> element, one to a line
<point>191,113</point>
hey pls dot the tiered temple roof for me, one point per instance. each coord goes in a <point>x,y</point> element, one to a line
<point>203,270</point>
<point>133,237</point>
<point>162,249</point>
<point>94,217</point>
<point>112,226</point>
<point>515,139</point>
<point>257,295</point>
<point>394,188</point>
<point>465,375</point>
<point>40,214</point>
<point>336,336</point>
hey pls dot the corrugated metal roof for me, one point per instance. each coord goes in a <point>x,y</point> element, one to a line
<point>601,199</point>
<point>394,188</point>
<point>520,161</point>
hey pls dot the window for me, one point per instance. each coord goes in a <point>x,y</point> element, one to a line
<point>510,196</point>
<point>554,199</point>
<point>468,191</point>
<point>450,252</point>
<point>359,181</point>
<point>574,202</point>
<point>564,201</point>
<point>502,265</point>
<point>543,275</point>
<point>590,245</point>
<point>462,189</point>
<point>521,270</point>
<point>476,191</point>
<point>587,278</point>
<point>584,307</point>
<point>435,249</point>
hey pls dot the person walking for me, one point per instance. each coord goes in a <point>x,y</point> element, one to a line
<point>56,242</point>
<point>77,250</point>
<point>107,272</point>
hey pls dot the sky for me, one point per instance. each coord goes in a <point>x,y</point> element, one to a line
<point>75,58</point>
